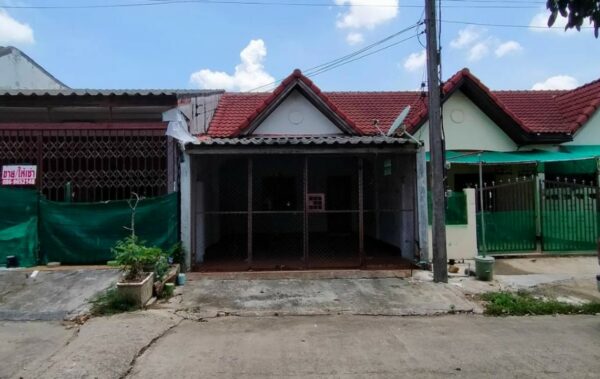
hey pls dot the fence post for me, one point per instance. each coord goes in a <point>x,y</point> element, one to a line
<point>481,208</point>
<point>539,188</point>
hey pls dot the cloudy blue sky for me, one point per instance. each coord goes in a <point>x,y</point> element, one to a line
<point>191,44</point>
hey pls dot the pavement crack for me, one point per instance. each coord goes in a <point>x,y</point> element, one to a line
<point>147,346</point>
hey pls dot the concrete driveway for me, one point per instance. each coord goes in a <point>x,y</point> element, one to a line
<point>50,295</point>
<point>209,296</point>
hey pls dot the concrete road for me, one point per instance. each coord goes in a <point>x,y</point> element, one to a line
<point>377,347</point>
<point>50,295</point>
<point>30,343</point>
<point>159,344</point>
<point>103,347</point>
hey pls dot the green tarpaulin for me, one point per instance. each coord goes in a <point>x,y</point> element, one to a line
<point>84,233</point>
<point>18,225</point>
<point>564,154</point>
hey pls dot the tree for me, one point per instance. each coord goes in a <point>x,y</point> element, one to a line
<point>576,12</point>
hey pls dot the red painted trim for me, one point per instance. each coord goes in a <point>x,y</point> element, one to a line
<point>153,125</point>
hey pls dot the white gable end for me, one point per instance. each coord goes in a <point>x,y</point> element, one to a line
<point>18,72</point>
<point>466,127</point>
<point>589,133</point>
<point>296,116</point>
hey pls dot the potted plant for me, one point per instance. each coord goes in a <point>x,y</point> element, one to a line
<point>134,259</point>
<point>138,262</point>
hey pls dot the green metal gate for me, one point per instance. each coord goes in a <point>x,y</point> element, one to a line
<point>569,213</point>
<point>507,221</point>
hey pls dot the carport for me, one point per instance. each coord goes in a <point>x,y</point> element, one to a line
<point>299,186</point>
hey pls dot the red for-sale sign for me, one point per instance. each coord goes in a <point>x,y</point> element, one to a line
<point>18,175</point>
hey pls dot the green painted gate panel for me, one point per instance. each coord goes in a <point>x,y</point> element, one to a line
<point>569,217</point>
<point>511,231</point>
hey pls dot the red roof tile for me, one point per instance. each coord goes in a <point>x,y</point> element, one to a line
<point>538,110</point>
<point>578,105</point>
<point>534,111</point>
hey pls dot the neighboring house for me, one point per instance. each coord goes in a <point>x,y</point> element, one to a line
<point>18,71</point>
<point>300,178</point>
<point>105,143</point>
<point>507,122</point>
<point>536,153</point>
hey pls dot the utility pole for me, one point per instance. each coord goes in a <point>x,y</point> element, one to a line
<point>436,148</point>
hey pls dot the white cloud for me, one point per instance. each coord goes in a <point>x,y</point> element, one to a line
<point>355,38</point>
<point>249,73</point>
<point>479,50</point>
<point>556,82</point>
<point>508,47</point>
<point>13,32</point>
<point>466,37</point>
<point>360,16</point>
<point>539,23</point>
<point>478,44</point>
<point>415,61</point>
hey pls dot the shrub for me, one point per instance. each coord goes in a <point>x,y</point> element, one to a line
<point>111,302</point>
<point>133,256</point>
<point>523,303</point>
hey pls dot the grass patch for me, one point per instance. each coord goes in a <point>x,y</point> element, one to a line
<point>112,302</point>
<point>524,303</point>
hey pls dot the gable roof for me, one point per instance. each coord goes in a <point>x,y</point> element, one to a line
<point>526,116</point>
<point>6,50</point>
<point>262,105</point>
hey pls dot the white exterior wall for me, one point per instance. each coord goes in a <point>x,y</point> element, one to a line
<point>17,72</point>
<point>185,182</point>
<point>461,240</point>
<point>296,116</point>
<point>589,134</point>
<point>466,127</point>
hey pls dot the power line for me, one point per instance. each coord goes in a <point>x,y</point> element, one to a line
<point>503,25</point>
<point>366,48</point>
<point>363,56</point>
<point>477,4</point>
<point>336,61</point>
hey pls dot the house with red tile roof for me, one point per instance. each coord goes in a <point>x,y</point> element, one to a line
<point>302,179</point>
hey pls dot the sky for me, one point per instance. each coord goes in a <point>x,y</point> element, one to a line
<point>198,44</point>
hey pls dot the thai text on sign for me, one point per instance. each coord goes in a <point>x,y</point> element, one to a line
<point>16,175</point>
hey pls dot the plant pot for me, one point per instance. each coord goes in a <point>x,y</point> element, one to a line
<point>141,292</point>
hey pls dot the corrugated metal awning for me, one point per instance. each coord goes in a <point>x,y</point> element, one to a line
<point>106,92</point>
<point>301,140</point>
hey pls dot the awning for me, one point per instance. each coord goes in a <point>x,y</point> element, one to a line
<point>565,154</point>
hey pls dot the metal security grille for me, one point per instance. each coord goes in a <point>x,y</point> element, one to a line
<point>569,215</point>
<point>300,212</point>
<point>100,165</point>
